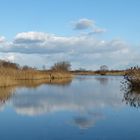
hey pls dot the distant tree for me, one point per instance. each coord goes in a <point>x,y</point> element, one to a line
<point>7,64</point>
<point>103,69</point>
<point>82,69</point>
<point>61,66</point>
<point>25,67</point>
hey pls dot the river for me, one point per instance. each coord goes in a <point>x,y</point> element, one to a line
<point>85,108</point>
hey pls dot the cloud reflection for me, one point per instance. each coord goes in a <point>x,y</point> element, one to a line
<point>80,96</point>
<point>84,96</point>
<point>84,122</point>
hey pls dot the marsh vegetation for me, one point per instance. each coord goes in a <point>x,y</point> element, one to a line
<point>132,77</point>
<point>13,74</point>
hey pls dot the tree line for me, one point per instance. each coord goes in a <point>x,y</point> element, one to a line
<point>63,66</point>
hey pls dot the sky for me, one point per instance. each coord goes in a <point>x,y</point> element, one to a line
<point>87,33</point>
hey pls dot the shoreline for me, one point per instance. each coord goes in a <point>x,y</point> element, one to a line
<point>119,73</point>
<point>11,77</point>
<point>14,77</point>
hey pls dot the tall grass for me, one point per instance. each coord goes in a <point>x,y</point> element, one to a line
<point>10,76</point>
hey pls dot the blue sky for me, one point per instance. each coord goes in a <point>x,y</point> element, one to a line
<point>112,19</point>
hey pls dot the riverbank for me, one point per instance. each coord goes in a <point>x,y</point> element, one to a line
<point>108,73</point>
<point>10,77</point>
<point>132,77</point>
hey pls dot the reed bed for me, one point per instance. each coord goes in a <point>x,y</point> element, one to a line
<point>133,77</point>
<point>10,77</point>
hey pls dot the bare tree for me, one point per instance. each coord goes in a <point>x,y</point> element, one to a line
<point>103,69</point>
<point>61,66</point>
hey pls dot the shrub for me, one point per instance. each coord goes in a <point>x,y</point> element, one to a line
<point>132,76</point>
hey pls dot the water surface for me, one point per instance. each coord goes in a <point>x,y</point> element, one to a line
<point>86,108</point>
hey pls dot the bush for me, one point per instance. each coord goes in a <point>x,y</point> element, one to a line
<point>7,64</point>
<point>132,76</point>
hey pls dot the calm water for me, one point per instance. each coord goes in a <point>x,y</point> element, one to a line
<point>86,108</point>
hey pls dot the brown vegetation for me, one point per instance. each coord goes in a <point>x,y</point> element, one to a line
<point>132,76</point>
<point>63,66</point>
<point>12,74</point>
<point>98,72</point>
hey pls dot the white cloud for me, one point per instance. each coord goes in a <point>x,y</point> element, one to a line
<point>10,58</point>
<point>2,39</point>
<point>82,51</point>
<point>82,24</point>
<point>41,43</point>
<point>30,37</point>
<point>97,31</point>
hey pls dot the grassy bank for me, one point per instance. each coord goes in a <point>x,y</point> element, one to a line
<point>115,73</point>
<point>112,72</point>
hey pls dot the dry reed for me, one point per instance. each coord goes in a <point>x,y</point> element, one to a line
<point>10,77</point>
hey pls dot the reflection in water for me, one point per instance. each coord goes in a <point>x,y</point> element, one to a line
<point>84,122</point>
<point>85,109</point>
<point>45,100</point>
<point>61,82</point>
<point>37,83</point>
<point>103,80</point>
<point>132,97</point>
<point>5,94</point>
<point>86,97</point>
